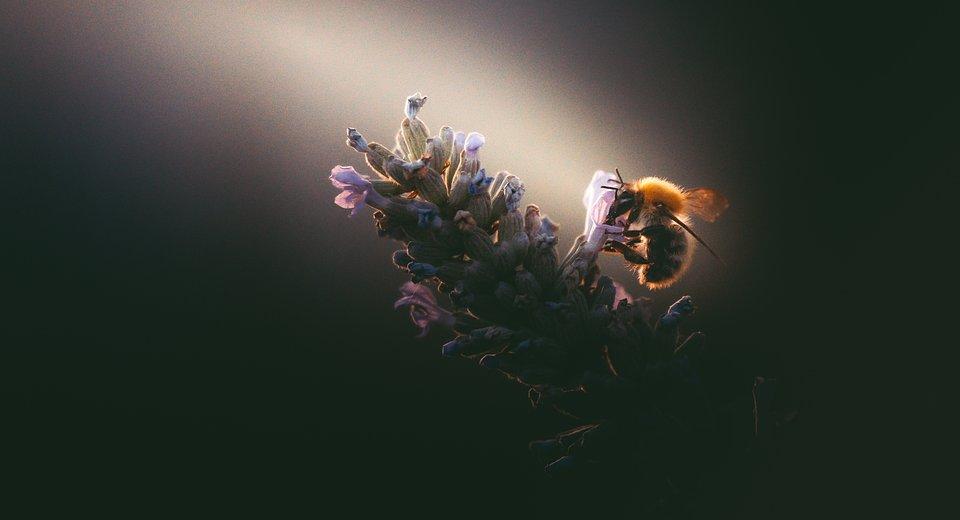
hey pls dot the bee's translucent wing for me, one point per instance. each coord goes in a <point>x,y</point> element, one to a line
<point>706,203</point>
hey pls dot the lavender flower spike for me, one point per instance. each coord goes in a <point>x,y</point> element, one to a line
<point>424,311</point>
<point>355,188</point>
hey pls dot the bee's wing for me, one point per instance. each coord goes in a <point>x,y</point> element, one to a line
<point>706,203</point>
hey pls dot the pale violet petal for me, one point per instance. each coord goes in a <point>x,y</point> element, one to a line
<point>473,143</point>
<point>593,193</point>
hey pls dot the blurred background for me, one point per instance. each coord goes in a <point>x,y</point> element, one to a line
<point>193,326</point>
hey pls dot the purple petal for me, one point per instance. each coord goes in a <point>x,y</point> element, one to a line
<point>411,289</point>
<point>355,188</point>
<point>424,311</point>
<point>343,176</point>
<point>473,143</point>
<point>593,193</point>
<point>349,199</point>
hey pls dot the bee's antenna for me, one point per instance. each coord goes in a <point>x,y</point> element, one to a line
<point>619,183</point>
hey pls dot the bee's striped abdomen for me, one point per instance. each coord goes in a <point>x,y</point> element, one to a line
<point>667,250</point>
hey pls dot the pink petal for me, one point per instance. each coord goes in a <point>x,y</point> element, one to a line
<point>347,199</point>
<point>343,176</point>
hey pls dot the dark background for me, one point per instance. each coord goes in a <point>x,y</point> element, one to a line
<point>191,326</point>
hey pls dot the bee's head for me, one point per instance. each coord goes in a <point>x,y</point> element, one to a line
<point>653,192</point>
<point>648,196</point>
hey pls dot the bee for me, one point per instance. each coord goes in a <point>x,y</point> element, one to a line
<point>655,214</point>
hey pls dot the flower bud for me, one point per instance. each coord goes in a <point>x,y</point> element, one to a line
<point>478,200</point>
<point>528,285</point>
<point>446,143</point>
<point>507,196</point>
<point>476,242</point>
<point>377,157</point>
<point>398,170</point>
<point>451,272</point>
<point>532,221</point>
<point>387,187</point>
<point>498,181</point>
<point>486,339</point>
<point>548,227</point>
<point>403,210</point>
<point>427,181</point>
<point>472,144</point>
<point>413,105</point>
<point>415,134</point>
<point>422,271</point>
<point>455,158</point>
<point>427,252</point>
<point>479,275</point>
<point>511,253</point>
<point>543,259</point>
<point>467,171</point>
<point>511,225</point>
<point>437,157</point>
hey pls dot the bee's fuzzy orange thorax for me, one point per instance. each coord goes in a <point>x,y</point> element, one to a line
<point>655,189</point>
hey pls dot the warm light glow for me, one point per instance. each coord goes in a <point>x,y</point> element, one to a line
<point>299,74</point>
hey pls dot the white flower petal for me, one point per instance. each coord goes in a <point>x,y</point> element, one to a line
<point>594,194</point>
<point>473,143</point>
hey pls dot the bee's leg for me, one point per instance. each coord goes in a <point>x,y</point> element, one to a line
<point>650,230</point>
<point>629,254</point>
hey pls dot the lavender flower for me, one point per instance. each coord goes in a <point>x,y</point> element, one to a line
<point>424,311</point>
<point>680,309</point>
<point>593,193</point>
<point>422,270</point>
<point>583,345</point>
<point>473,143</point>
<point>413,105</point>
<point>513,191</point>
<point>357,141</point>
<point>355,188</point>
<point>428,217</point>
<point>597,202</point>
<point>548,227</point>
<point>479,183</point>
